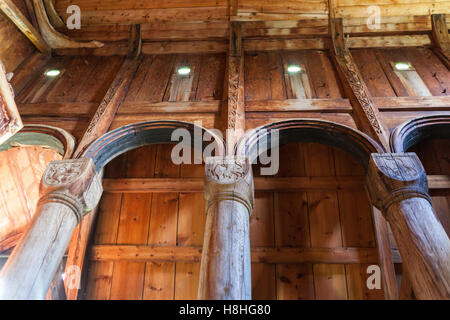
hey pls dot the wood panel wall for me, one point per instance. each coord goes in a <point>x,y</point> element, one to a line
<point>15,47</point>
<point>327,218</point>
<point>21,170</point>
<point>68,101</point>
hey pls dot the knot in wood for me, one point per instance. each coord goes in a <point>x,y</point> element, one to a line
<point>393,177</point>
<point>74,183</point>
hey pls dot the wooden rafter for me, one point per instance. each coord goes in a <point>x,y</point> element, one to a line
<point>135,41</point>
<point>441,37</point>
<point>55,39</point>
<point>15,15</point>
<point>235,107</point>
<point>99,125</point>
<point>366,112</point>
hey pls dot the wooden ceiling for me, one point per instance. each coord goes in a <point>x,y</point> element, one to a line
<point>161,20</point>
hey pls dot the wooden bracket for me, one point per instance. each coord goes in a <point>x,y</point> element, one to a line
<point>55,39</point>
<point>441,37</point>
<point>366,112</point>
<point>53,16</point>
<point>15,15</point>
<point>235,108</point>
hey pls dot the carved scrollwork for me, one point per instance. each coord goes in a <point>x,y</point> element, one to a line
<point>226,170</point>
<point>229,179</point>
<point>73,183</point>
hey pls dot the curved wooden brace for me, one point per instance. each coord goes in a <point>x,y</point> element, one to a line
<point>55,39</point>
<point>41,135</point>
<point>354,142</point>
<point>53,16</point>
<point>133,136</point>
<point>416,130</point>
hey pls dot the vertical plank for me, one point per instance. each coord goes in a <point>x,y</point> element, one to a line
<point>128,277</point>
<point>100,273</point>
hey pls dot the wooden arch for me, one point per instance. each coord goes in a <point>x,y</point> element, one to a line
<point>416,130</point>
<point>356,143</point>
<point>133,136</point>
<point>41,135</point>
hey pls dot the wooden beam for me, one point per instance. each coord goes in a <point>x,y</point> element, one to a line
<point>107,109</point>
<point>14,14</point>
<point>386,257</point>
<point>441,37</point>
<point>159,254</point>
<point>166,185</point>
<point>366,112</point>
<point>299,105</point>
<point>99,125</point>
<point>55,39</point>
<point>135,41</point>
<point>234,113</point>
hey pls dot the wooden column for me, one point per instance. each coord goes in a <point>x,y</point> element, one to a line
<point>397,185</point>
<point>225,272</point>
<point>441,44</point>
<point>69,189</point>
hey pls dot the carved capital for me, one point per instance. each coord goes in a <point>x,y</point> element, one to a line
<point>393,177</point>
<point>229,178</point>
<point>74,183</point>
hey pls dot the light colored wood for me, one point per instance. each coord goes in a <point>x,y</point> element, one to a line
<point>15,15</point>
<point>55,39</point>
<point>21,171</point>
<point>69,189</point>
<point>225,272</point>
<point>286,255</point>
<point>10,120</point>
<point>397,186</point>
<point>441,37</point>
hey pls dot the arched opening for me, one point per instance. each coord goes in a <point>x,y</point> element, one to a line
<point>312,230</point>
<point>152,211</point>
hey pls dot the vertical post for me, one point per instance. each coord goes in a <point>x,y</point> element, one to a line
<point>69,189</point>
<point>398,186</point>
<point>225,272</point>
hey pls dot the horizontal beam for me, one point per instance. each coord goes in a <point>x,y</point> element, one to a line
<point>261,184</point>
<point>85,109</point>
<point>161,254</point>
<point>299,105</point>
<point>192,185</point>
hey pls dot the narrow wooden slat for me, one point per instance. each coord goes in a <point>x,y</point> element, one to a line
<point>192,254</point>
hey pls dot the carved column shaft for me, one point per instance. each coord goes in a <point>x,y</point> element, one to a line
<point>69,189</point>
<point>397,184</point>
<point>225,272</point>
